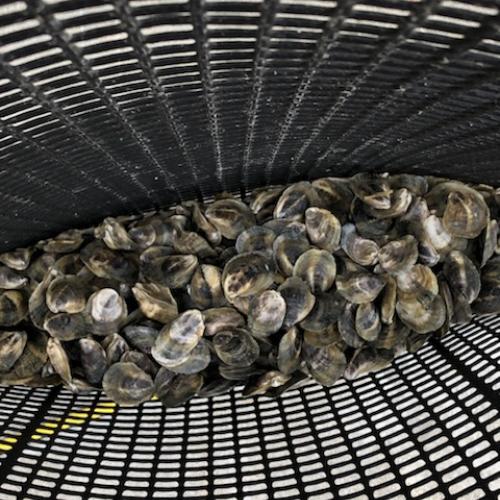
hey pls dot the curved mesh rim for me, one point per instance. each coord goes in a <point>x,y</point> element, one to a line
<point>112,107</point>
<point>427,427</point>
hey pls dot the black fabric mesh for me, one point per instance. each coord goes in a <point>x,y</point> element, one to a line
<point>114,107</point>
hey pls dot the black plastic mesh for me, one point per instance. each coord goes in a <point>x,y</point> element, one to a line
<point>426,428</point>
<point>112,107</point>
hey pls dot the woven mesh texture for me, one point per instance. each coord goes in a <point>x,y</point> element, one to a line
<point>113,107</point>
<point>426,428</point>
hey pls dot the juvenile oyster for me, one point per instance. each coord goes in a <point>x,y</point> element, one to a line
<point>287,248</point>
<point>155,301</point>
<point>179,389</point>
<point>326,311</point>
<point>256,239</point>
<point>173,271</point>
<point>294,201</point>
<point>367,321</point>
<point>221,318</point>
<point>246,274</point>
<point>462,275</point>
<point>421,313</point>
<point>373,189</point>
<point>299,301</point>
<point>334,195</point>
<point>93,360</point>
<point>289,349</point>
<point>177,339</point>
<point>18,259</point>
<point>230,217</point>
<point>127,385</point>
<point>11,347</point>
<point>347,326</point>
<point>323,229</point>
<point>368,360</point>
<point>263,383</point>
<point>205,288</point>
<point>12,280</point>
<point>236,347</point>
<point>107,311</point>
<point>359,287</point>
<point>114,235</point>
<point>326,364</point>
<point>317,268</point>
<point>360,250</point>
<point>13,307</point>
<point>398,255</point>
<point>266,313</point>
<point>465,213</point>
<point>66,295</point>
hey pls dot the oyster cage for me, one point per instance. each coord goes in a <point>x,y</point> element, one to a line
<point>115,107</point>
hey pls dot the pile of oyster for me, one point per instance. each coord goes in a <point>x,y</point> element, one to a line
<point>317,280</point>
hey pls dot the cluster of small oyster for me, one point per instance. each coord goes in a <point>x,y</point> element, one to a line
<point>318,280</point>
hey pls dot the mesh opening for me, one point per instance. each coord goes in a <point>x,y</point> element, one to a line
<point>112,107</point>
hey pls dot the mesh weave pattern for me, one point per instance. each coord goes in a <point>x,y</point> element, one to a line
<point>428,427</point>
<point>112,107</point>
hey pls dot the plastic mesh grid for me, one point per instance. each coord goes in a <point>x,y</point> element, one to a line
<point>111,107</point>
<point>428,427</point>
<point>108,107</point>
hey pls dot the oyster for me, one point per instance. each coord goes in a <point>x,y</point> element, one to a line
<point>221,318</point>
<point>13,307</point>
<point>18,259</point>
<point>246,274</point>
<point>93,360</point>
<point>256,239</point>
<point>398,255</point>
<point>12,345</point>
<point>294,201</point>
<point>205,288</point>
<point>326,311</point>
<point>373,189</point>
<point>317,268</point>
<point>266,313</point>
<point>299,301</point>
<point>230,217</point>
<point>325,364</point>
<point>359,287</point>
<point>155,301</point>
<point>236,347</point>
<point>462,275</point>
<point>367,360</point>
<point>127,385</point>
<point>361,250</point>
<point>422,313</point>
<point>66,295</point>
<point>323,229</point>
<point>289,349</point>
<point>107,311</point>
<point>12,280</point>
<point>114,235</point>
<point>173,271</point>
<point>368,324</point>
<point>177,339</point>
<point>179,390</point>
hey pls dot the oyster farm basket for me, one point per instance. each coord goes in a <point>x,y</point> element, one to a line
<point>111,107</point>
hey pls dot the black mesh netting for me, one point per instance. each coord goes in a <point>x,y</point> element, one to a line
<point>113,107</point>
